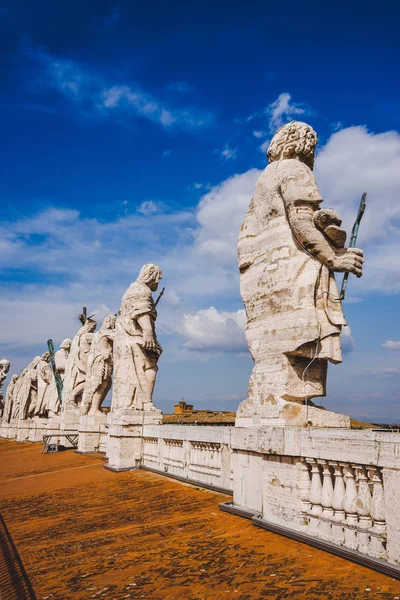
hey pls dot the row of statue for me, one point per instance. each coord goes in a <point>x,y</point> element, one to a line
<point>289,248</point>
<point>125,343</point>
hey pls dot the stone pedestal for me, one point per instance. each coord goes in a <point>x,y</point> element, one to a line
<point>4,430</point>
<point>53,425</point>
<point>91,429</point>
<point>12,429</point>
<point>37,429</point>
<point>23,430</point>
<point>282,413</point>
<point>125,437</point>
<point>69,424</point>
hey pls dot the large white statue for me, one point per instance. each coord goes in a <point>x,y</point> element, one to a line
<point>136,349</point>
<point>288,250</point>
<point>99,368</point>
<point>76,365</point>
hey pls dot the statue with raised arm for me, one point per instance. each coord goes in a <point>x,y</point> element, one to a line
<point>99,368</point>
<point>288,249</point>
<point>136,349</point>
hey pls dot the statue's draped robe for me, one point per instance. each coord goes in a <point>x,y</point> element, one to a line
<point>131,360</point>
<point>45,388</point>
<point>99,369</point>
<point>291,300</point>
<point>8,406</point>
<point>75,368</point>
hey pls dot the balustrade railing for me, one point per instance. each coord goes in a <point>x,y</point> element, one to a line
<point>344,503</point>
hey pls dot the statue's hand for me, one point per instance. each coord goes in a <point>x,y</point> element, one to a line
<point>149,342</point>
<point>348,260</point>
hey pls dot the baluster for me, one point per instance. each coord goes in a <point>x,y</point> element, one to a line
<point>315,496</point>
<point>378,530</point>
<point>337,504</point>
<point>351,522</point>
<point>363,507</point>
<point>304,486</point>
<point>326,500</point>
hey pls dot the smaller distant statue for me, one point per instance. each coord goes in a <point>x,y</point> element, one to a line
<point>61,357</point>
<point>4,368</point>
<point>99,368</point>
<point>8,405</point>
<point>27,392</point>
<point>45,388</point>
<point>136,349</point>
<point>76,365</point>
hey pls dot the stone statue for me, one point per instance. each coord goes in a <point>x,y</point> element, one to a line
<point>288,249</point>
<point>44,385</point>
<point>8,405</point>
<point>136,349</point>
<point>4,368</point>
<point>26,390</point>
<point>99,368</point>
<point>76,365</point>
<point>61,357</point>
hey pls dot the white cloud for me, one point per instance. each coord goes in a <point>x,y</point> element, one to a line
<point>282,110</point>
<point>148,207</point>
<point>209,330</point>
<point>391,345</point>
<point>220,214</point>
<point>264,146</point>
<point>353,161</point>
<point>346,340</point>
<point>228,153</point>
<point>94,96</point>
<point>258,134</point>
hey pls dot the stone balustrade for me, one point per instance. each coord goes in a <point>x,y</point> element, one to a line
<point>197,454</point>
<point>344,503</point>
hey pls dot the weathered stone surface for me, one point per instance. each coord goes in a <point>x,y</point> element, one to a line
<point>288,250</point>
<point>136,349</point>
<point>99,368</point>
<point>75,376</point>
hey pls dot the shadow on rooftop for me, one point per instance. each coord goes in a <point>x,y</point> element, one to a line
<point>14,581</point>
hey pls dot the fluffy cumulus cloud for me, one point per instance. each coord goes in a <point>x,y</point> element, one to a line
<point>212,331</point>
<point>391,345</point>
<point>346,340</point>
<point>220,214</point>
<point>86,262</point>
<point>353,161</point>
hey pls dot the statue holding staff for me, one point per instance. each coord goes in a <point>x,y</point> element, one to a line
<point>289,248</point>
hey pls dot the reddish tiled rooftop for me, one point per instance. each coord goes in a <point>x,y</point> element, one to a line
<point>84,532</point>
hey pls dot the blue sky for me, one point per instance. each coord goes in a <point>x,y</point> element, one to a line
<point>134,132</point>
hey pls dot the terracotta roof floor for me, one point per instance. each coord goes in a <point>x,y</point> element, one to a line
<point>84,532</point>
